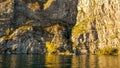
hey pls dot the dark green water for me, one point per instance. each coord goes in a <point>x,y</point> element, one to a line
<point>58,61</point>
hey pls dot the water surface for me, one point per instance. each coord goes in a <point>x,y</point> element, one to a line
<point>58,61</point>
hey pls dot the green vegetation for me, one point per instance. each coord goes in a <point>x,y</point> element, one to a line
<point>8,31</point>
<point>51,48</point>
<point>7,34</point>
<point>25,27</point>
<point>82,27</point>
<point>108,51</point>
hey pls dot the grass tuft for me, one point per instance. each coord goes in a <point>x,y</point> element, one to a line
<point>108,51</point>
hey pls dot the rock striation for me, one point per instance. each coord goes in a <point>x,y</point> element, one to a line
<point>60,26</point>
<point>32,24</point>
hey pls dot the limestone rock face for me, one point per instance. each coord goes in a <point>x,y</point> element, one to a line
<point>40,26</point>
<point>6,15</point>
<point>36,12</point>
<point>32,23</point>
<point>29,39</point>
<point>97,25</point>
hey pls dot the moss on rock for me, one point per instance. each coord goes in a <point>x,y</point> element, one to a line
<point>108,51</point>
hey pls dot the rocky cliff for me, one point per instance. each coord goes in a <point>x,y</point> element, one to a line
<point>36,26</point>
<point>97,27</point>
<point>57,26</point>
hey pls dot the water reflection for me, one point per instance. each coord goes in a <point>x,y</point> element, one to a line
<point>58,61</point>
<point>55,61</point>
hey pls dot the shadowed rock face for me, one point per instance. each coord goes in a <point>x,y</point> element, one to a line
<point>42,11</point>
<point>6,14</point>
<point>32,23</point>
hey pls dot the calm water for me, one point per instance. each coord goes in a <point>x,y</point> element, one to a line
<point>59,61</point>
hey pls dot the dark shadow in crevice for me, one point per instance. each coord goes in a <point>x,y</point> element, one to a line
<point>68,21</point>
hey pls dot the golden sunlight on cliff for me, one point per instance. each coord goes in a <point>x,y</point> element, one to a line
<point>4,3</point>
<point>34,6</point>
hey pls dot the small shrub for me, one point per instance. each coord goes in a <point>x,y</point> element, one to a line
<point>51,48</point>
<point>8,31</point>
<point>82,27</point>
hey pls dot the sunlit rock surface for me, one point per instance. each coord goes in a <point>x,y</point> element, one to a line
<point>97,25</point>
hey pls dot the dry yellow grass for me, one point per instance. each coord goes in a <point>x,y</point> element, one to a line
<point>47,4</point>
<point>34,6</point>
